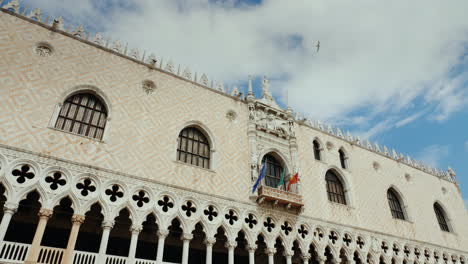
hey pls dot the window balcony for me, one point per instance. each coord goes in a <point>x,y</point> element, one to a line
<point>290,200</point>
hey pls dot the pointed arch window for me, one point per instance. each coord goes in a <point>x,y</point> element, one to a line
<point>395,204</point>
<point>335,190</point>
<point>193,148</point>
<point>83,114</point>
<point>273,170</point>
<point>342,159</point>
<point>440,214</point>
<point>317,148</point>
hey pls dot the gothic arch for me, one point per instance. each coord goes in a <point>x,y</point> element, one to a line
<point>447,215</point>
<point>206,132</point>
<point>345,181</point>
<point>278,155</point>
<point>402,200</point>
<point>87,88</point>
<point>84,88</point>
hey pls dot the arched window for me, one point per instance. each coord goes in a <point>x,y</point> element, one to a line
<point>342,158</point>
<point>83,114</point>
<point>316,150</point>
<point>335,188</point>
<point>440,214</point>
<point>395,205</point>
<point>273,170</point>
<point>193,148</point>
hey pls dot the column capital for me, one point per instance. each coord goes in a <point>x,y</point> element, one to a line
<point>136,229</point>
<point>230,244</point>
<point>45,213</point>
<point>288,253</point>
<point>270,251</point>
<point>210,241</point>
<point>107,224</point>
<point>251,248</point>
<point>163,233</point>
<point>78,219</point>
<point>186,236</point>
<point>306,256</point>
<point>10,208</point>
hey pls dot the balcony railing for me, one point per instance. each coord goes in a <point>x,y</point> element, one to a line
<point>16,253</point>
<point>279,197</point>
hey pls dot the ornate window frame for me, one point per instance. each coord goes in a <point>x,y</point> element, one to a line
<point>83,89</point>
<point>345,179</point>
<point>209,136</point>
<point>403,204</point>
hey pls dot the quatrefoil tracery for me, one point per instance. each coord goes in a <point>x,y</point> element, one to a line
<point>165,203</point>
<point>86,187</point>
<point>55,180</point>
<point>286,227</point>
<point>347,239</point>
<point>303,232</point>
<point>251,221</point>
<point>114,193</point>
<point>269,224</point>
<point>231,216</point>
<point>211,213</point>
<point>23,174</point>
<point>189,208</point>
<point>141,198</point>
<point>333,237</point>
<point>360,242</point>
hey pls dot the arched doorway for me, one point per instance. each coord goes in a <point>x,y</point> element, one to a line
<point>148,240</point>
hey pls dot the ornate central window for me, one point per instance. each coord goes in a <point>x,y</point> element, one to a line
<point>273,171</point>
<point>83,114</point>
<point>193,148</point>
<point>395,204</point>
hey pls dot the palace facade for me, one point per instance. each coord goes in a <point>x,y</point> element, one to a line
<point>109,155</point>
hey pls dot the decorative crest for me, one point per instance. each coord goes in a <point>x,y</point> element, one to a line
<point>36,13</point>
<point>13,5</point>
<point>204,80</point>
<point>187,74</point>
<point>170,67</point>
<point>79,32</point>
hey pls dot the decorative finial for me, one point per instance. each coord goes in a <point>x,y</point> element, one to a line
<point>250,92</point>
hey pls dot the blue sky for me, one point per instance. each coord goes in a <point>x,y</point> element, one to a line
<point>388,71</point>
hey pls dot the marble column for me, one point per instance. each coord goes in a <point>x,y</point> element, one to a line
<point>185,248</point>
<point>33,254</point>
<point>77,220</point>
<point>209,249</point>
<point>135,230</point>
<point>305,258</point>
<point>251,250</point>
<point>8,212</point>
<point>162,234</point>
<point>271,255</point>
<point>106,228</point>
<point>322,260</point>
<point>288,256</point>
<point>231,245</point>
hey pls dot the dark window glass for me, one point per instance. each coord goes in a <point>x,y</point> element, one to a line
<point>342,159</point>
<point>193,148</point>
<point>395,205</point>
<point>83,114</point>
<point>335,190</point>
<point>441,217</point>
<point>316,150</point>
<point>273,171</point>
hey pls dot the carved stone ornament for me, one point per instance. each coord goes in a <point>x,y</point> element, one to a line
<point>43,49</point>
<point>231,115</point>
<point>148,86</point>
<point>375,245</point>
<point>271,121</point>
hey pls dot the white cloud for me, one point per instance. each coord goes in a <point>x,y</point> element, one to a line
<point>373,53</point>
<point>433,154</point>
<point>408,119</point>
